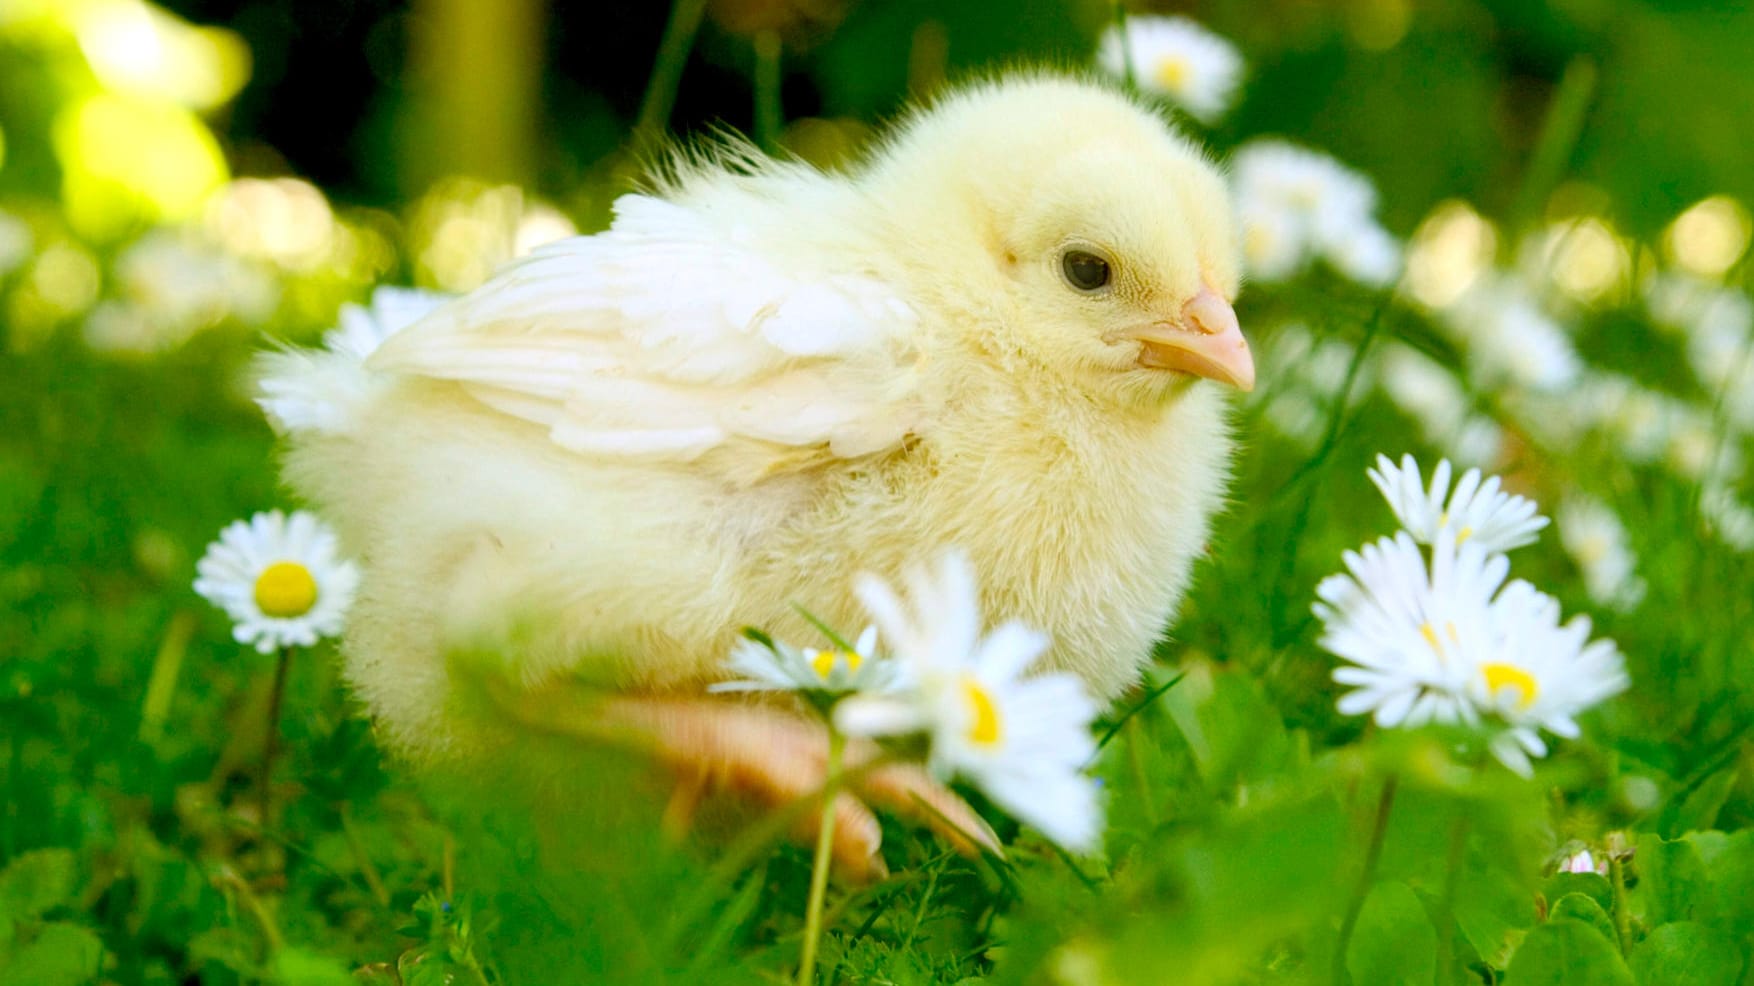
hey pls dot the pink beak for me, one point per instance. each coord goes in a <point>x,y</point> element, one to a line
<point>1206,341</point>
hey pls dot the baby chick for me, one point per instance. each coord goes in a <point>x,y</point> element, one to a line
<point>1009,331</point>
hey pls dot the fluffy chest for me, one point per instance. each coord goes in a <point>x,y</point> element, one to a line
<point>1086,533</point>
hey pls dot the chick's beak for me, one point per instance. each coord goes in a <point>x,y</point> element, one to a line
<point>1205,341</point>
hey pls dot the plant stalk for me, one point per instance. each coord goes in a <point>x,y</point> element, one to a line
<point>1120,15</point>
<point>1372,854</point>
<point>819,867</point>
<point>271,744</point>
<point>769,109</point>
<point>1622,914</point>
<point>1446,926</point>
<point>654,109</point>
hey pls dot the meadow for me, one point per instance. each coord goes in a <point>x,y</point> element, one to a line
<point>1510,236</point>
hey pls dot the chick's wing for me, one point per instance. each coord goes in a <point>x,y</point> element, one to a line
<point>669,336</point>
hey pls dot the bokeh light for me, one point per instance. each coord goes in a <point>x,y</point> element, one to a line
<point>140,49</point>
<point>1448,253</point>
<point>1709,237</point>
<point>126,161</point>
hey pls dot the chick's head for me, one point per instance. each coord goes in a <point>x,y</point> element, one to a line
<point>1104,242</point>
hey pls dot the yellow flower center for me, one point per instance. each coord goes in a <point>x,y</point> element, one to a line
<point>1498,676</point>
<point>1430,635</point>
<point>1258,243</point>
<point>285,589</point>
<point>823,662</point>
<point>983,726</point>
<point>1172,73</point>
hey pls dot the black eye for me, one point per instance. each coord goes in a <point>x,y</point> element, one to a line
<point>1084,271</point>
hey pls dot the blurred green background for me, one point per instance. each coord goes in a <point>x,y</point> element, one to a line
<point>185,182</point>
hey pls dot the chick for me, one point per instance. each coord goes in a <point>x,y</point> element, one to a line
<point>1009,331</point>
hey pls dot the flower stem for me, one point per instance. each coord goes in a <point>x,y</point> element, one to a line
<point>769,112</point>
<point>271,745</point>
<point>1446,920</point>
<point>819,868</point>
<point>1120,15</point>
<point>1622,915</point>
<point>1384,805</point>
<point>654,110</point>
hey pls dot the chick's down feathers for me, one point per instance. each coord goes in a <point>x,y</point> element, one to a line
<point>763,379</point>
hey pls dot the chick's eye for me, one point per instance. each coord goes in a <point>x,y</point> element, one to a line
<point>1084,271</point>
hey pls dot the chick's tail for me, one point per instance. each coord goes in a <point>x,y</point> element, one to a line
<point>320,391</point>
<point>305,391</point>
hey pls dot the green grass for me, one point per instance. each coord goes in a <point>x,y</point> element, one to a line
<point>1251,828</point>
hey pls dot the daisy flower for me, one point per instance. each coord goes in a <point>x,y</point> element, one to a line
<point>1177,59</point>
<point>776,666</point>
<point>1509,338</point>
<point>1411,634</point>
<point>297,401</point>
<point>1596,540</point>
<point>1447,644</point>
<point>1022,741</point>
<point>364,328</point>
<point>1729,518</point>
<point>1475,510</point>
<point>1542,675</point>
<point>1369,256</point>
<point>279,578</point>
<point>1294,204</point>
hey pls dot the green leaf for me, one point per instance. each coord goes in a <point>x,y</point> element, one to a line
<point>61,955</point>
<point>1493,908</point>
<point>1699,809</point>
<point>1567,953</point>
<point>1730,901</point>
<point>1672,879</point>
<point>36,882</point>
<point>1592,885</point>
<point>1394,942</point>
<point>1580,907</point>
<point>299,967</point>
<point>1234,733</point>
<point>1684,953</point>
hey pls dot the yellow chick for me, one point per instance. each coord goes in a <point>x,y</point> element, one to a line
<point>1008,331</point>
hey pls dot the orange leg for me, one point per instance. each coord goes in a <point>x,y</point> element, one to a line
<point>774,757</point>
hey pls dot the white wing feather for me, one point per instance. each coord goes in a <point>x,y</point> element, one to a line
<point>667,337</point>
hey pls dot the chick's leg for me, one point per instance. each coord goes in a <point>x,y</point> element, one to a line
<point>766,754</point>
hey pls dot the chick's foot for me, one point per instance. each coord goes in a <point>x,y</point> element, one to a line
<point>718,747</point>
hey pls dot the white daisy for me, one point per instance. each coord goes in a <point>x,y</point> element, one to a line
<point>296,398</point>
<point>1426,390</point>
<point>281,580</point>
<point>1542,675</point>
<point>1510,339</point>
<point>1447,645</point>
<point>1478,442</point>
<point>783,667</point>
<point>364,328</point>
<point>1475,511</point>
<point>1410,633</point>
<point>1023,741</point>
<point>1274,245</point>
<point>1696,307</point>
<point>1294,204</point>
<point>1596,540</point>
<point>1723,359</point>
<point>1369,256</point>
<point>1727,517</point>
<point>1177,59</point>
